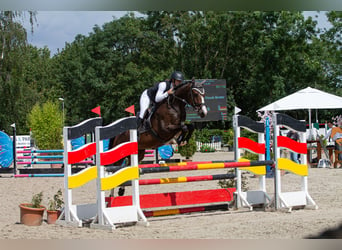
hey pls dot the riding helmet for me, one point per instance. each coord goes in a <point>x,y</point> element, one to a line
<point>177,75</point>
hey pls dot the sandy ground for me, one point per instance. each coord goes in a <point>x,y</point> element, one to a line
<point>324,188</point>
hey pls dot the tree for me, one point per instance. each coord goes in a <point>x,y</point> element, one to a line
<point>46,123</point>
<point>332,40</point>
<point>262,55</point>
<point>12,86</point>
<point>111,67</point>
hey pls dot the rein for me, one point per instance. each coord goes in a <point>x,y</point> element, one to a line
<point>196,106</point>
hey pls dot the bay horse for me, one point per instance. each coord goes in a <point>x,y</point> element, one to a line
<point>167,122</point>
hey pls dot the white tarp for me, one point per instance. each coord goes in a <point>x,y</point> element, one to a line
<point>308,98</point>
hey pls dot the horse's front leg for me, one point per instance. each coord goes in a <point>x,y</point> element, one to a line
<point>186,134</point>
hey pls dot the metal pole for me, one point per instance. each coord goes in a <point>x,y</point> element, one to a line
<point>63,111</point>
<point>62,100</point>
<point>14,149</point>
<point>268,150</point>
<point>156,154</point>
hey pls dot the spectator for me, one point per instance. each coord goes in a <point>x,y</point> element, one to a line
<point>294,136</point>
<point>335,133</point>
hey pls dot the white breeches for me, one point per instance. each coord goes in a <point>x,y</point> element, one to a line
<point>144,103</point>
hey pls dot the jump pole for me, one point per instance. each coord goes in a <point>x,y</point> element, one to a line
<point>182,179</point>
<point>205,166</point>
<point>223,207</point>
<point>196,166</point>
<point>38,175</point>
<point>179,163</point>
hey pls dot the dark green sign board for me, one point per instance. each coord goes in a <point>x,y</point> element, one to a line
<point>215,100</point>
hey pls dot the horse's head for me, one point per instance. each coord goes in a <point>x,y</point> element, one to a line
<point>197,98</point>
<point>193,93</point>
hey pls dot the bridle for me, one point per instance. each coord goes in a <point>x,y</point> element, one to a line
<point>200,90</point>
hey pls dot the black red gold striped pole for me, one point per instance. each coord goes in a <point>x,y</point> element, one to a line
<point>205,166</point>
<point>195,166</point>
<point>182,179</point>
<point>175,211</point>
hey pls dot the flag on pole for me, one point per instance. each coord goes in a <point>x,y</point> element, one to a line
<point>130,109</point>
<point>97,110</point>
<point>236,110</point>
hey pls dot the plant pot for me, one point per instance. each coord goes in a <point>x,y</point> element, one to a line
<point>31,216</point>
<point>187,160</point>
<point>52,216</point>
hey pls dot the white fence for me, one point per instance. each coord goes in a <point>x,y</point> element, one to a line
<point>215,145</point>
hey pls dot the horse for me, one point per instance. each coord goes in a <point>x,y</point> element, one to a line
<point>165,123</point>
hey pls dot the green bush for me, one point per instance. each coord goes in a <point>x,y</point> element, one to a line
<point>207,149</point>
<point>231,183</point>
<point>250,156</point>
<point>189,149</point>
<point>46,123</point>
<point>205,135</point>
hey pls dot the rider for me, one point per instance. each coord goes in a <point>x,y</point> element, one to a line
<point>158,92</point>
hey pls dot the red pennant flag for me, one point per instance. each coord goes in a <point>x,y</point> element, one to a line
<point>97,110</point>
<point>130,109</point>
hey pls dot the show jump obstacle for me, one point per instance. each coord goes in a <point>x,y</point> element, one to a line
<point>97,213</point>
<point>250,198</point>
<point>107,212</point>
<point>107,217</point>
<point>288,200</point>
<point>73,214</point>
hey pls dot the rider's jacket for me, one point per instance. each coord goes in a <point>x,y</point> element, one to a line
<point>152,91</point>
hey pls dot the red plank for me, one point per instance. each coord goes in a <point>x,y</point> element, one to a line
<point>286,142</point>
<point>258,148</point>
<point>118,153</point>
<point>81,153</point>
<point>175,198</point>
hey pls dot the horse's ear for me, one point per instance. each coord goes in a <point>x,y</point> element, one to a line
<point>193,79</point>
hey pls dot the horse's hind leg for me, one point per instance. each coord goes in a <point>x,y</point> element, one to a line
<point>141,155</point>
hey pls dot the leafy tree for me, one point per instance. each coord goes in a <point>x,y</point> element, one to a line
<point>262,55</point>
<point>46,124</point>
<point>332,40</point>
<point>12,54</point>
<point>111,68</point>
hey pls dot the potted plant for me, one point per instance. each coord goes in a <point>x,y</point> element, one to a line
<point>31,214</point>
<point>189,149</point>
<point>54,207</point>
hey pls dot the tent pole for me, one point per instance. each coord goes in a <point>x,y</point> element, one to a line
<point>310,126</point>
<point>317,115</point>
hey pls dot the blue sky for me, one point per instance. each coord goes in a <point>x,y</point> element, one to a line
<point>55,28</point>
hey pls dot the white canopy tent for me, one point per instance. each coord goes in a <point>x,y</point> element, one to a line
<point>308,98</point>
